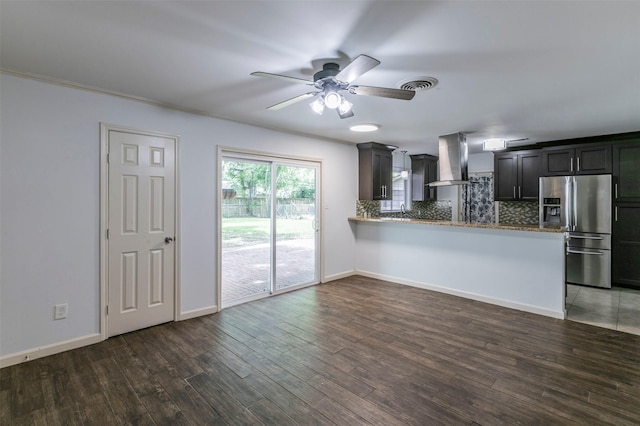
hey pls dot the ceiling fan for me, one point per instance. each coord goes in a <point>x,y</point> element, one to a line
<point>331,80</point>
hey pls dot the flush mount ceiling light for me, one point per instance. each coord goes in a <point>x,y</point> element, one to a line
<point>494,144</point>
<point>331,80</point>
<point>364,128</point>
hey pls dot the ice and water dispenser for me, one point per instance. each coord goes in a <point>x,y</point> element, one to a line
<point>551,212</point>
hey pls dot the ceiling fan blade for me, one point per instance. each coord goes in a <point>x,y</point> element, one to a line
<point>282,77</point>
<point>292,101</point>
<point>356,68</point>
<point>346,114</point>
<point>384,92</point>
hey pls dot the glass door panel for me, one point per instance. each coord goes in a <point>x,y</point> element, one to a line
<point>296,226</point>
<point>246,230</point>
<point>269,226</point>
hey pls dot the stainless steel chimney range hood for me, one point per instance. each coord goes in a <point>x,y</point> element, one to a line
<point>453,160</point>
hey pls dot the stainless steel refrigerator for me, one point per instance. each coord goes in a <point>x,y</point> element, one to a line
<point>581,204</point>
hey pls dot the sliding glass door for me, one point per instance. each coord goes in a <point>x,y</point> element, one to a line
<point>296,226</point>
<point>270,226</point>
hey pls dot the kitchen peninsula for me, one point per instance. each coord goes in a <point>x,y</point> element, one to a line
<point>520,267</point>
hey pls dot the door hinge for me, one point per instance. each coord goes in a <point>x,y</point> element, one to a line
<point>107,310</point>
<point>108,234</point>
<point>107,158</point>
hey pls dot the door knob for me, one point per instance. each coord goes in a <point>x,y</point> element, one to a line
<point>168,240</point>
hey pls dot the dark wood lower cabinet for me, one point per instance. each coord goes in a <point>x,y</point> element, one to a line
<point>626,245</point>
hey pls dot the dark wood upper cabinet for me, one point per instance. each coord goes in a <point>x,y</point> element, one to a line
<point>424,170</point>
<point>586,159</point>
<point>626,172</point>
<point>516,175</point>
<point>529,163</point>
<point>375,165</point>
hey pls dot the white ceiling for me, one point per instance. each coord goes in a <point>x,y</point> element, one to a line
<point>543,70</point>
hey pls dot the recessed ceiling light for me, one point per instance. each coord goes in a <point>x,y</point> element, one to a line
<point>364,128</point>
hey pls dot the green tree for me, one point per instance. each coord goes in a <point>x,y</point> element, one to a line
<point>250,180</point>
<point>295,182</point>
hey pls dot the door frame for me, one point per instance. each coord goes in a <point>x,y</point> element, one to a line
<point>104,220</point>
<point>260,155</point>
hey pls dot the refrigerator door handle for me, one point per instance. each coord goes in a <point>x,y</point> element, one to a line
<point>571,167</point>
<point>585,237</point>
<point>578,162</point>
<point>596,253</point>
<point>574,202</point>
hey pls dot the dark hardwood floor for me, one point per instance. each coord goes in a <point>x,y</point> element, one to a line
<point>355,351</point>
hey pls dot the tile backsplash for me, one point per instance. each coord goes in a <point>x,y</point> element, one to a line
<point>519,213</point>
<point>510,212</point>
<point>430,210</point>
<point>477,200</point>
<point>367,208</point>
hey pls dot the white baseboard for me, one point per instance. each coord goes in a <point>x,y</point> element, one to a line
<point>52,349</point>
<point>56,348</point>
<point>198,313</point>
<point>467,295</point>
<point>341,275</point>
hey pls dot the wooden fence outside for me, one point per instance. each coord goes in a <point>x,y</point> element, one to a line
<point>289,208</point>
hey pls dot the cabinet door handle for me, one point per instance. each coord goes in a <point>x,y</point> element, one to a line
<point>616,213</point>
<point>519,192</point>
<point>578,164</point>
<point>616,190</point>
<point>571,169</point>
<point>514,191</point>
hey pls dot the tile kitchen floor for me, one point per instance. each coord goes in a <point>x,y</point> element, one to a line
<point>617,308</point>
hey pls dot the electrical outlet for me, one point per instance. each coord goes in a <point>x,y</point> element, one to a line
<point>60,311</point>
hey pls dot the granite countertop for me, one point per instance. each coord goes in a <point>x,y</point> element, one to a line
<point>532,228</point>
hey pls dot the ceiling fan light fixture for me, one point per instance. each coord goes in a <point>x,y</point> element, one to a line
<point>368,127</point>
<point>317,106</point>
<point>332,99</point>
<point>345,106</point>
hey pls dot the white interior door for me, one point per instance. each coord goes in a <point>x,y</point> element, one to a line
<point>141,231</point>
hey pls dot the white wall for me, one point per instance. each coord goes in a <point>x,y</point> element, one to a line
<point>481,162</point>
<point>49,203</point>
<point>518,269</point>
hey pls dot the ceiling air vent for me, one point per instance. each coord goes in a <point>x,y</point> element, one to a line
<point>421,84</point>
